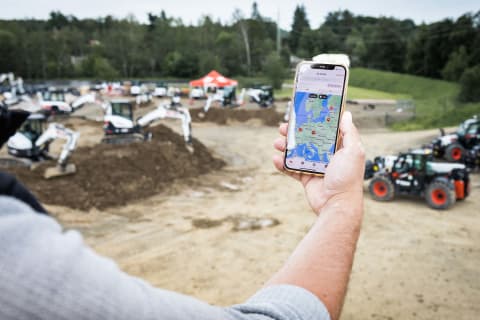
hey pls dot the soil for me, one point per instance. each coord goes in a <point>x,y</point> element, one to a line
<point>114,175</point>
<point>223,116</point>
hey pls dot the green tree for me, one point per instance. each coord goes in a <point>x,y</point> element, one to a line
<point>457,63</point>
<point>208,62</point>
<point>429,49</point>
<point>356,48</point>
<point>182,64</point>
<point>255,12</point>
<point>470,85</point>
<point>300,24</point>
<point>229,44</point>
<point>275,70</point>
<point>98,67</point>
<point>7,51</point>
<point>386,47</point>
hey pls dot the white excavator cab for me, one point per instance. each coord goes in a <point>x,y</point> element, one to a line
<point>54,95</point>
<point>23,143</point>
<point>122,109</point>
<point>53,101</point>
<point>33,127</point>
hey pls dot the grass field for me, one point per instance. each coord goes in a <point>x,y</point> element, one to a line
<point>435,100</point>
<point>362,93</point>
<point>353,93</point>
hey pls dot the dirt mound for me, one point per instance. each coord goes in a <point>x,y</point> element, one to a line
<point>269,117</point>
<point>114,175</point>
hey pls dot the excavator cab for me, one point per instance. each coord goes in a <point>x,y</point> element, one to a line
<point>33,127</point>
<point>229,96</point>
<point>119,126</point>
<point>23,143</point>
<point>122,109</point>
<point>54,95</point>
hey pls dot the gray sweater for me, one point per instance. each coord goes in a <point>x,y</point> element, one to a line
<point>49,274</point>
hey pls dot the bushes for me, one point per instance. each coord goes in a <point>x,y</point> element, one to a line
<point>470,85</point>
<point>97,67</point>
<point>274,70</point>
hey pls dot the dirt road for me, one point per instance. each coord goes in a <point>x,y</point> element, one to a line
<point>412,262</point>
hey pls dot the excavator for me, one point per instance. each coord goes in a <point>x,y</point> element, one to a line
<point>226,96</point>
<point>262,95</point>
<point>53,101</point>
<point>30,145</point>
<point>120,128</point>
<point>14,88</point>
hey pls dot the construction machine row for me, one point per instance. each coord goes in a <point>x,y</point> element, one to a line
<point>438,171</point>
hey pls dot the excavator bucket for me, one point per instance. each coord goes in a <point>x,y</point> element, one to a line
<point>59,171</point>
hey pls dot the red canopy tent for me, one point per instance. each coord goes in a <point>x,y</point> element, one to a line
<point>213,79</point>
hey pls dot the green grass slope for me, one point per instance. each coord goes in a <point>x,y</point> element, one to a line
<point>435,100</point>
<point>362,93</point>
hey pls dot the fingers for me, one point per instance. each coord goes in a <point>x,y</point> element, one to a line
<point>283,128</point>
<point>280,144</point>
<point>278,163</point>
<point>350,136</point>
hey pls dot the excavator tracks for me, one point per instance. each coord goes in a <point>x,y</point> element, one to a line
<point>124,139</point>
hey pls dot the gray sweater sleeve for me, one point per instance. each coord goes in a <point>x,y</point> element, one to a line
<point>49,274</point>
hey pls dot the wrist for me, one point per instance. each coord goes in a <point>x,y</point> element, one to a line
<point>349,202</point>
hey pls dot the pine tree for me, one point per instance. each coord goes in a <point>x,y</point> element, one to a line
<point>255,12</point>
<point>299,25</point>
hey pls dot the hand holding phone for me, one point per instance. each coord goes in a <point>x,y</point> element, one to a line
<point>343,178</point>
<point>319,97</point>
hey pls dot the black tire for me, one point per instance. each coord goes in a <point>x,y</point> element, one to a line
<point>439,195</point>
<point>454,152</point>
<point>381,188</point>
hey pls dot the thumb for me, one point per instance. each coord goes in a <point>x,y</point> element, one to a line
<point>348,130</point>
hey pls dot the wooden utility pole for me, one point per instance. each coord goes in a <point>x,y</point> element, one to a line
<point>238,16</point>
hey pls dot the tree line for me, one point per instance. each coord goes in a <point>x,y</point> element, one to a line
<point>64,46</point>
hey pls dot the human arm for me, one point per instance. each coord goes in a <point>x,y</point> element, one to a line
<point>50,274</point>
<point>322,261</point>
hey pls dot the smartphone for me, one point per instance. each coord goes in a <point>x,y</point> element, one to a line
<point>313,126</point>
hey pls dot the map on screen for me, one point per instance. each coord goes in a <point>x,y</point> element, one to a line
<point>314,120</point>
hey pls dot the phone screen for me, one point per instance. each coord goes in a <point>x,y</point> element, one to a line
<point>315,116</point>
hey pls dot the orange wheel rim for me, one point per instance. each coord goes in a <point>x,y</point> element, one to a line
<point>439,197</point>
<point>380,189</point>
<point>456,154</point>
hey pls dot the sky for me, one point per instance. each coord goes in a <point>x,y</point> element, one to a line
<point>191,11</point>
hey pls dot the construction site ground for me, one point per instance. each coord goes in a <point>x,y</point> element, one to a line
<point>219,235</point>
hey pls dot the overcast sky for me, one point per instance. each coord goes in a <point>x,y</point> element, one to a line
<point>190,11</point>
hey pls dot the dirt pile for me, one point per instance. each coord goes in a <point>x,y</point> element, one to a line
<point>269,117</point>
<point>114,175</point>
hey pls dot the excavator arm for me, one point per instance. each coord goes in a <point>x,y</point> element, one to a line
<point>163,112</point>
<point>16,88</point>
<point>58,131</point>
<point>218,97</point>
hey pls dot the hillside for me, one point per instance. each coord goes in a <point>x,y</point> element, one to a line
<point>435,100</point>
